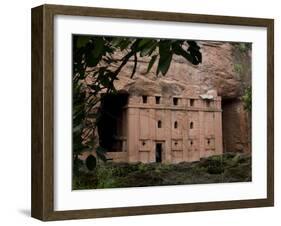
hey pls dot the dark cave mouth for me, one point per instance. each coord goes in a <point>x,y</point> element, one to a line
<point>110,120</point>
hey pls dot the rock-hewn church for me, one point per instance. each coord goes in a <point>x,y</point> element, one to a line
<point>168,129</point>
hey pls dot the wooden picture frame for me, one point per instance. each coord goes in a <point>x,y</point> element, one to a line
<point>42,205</point>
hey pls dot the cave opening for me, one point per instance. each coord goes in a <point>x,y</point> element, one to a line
<point>236,127</point>
<point>227,123</point>
<point>110,124</point>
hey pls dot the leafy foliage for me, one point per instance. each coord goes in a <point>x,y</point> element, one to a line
<point>230,167</point>
<point>247,99</point>
<point>238,68</point>
<point>244,46</point>
<point>94,60</point>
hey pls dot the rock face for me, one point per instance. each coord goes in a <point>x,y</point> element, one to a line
<point>226,67</point>
<point>236,123</point>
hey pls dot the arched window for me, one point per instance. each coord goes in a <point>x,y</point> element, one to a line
<point>159,124</point>
<point>191,125</point>
<point>175,124</point>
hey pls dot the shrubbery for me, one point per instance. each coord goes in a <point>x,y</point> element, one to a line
<point>216,169</point>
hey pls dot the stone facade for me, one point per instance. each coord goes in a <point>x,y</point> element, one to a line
<point>168,129</point>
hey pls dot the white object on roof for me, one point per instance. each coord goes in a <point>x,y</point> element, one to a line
<point>207,96</point>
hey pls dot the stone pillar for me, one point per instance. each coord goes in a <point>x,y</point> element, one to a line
<point>185,143</point>
<point>168,135</point>
<point>133,134</point>
<point>201,137</point>
<point>152,134</point>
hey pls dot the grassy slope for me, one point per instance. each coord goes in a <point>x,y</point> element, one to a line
<point>215,169</point>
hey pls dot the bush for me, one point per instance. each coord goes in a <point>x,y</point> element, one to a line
<point>105,177</point>
<point>229,167</point>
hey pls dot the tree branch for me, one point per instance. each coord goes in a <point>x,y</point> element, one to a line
<point>126,58</point>
<point>135,65</point>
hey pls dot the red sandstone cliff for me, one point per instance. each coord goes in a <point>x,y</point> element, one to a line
<point>226,67</point>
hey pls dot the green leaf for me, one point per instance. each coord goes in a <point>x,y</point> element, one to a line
<point>98,47</point>
<point>144,42</point>
<point>82,41</point>
<point>164,63</point>
<point>95,53</point>
<point>194,51</point>
<point>149,48</point>
<point>192,54</point>
<point>91,61</point>
<point>165,57</point>
<point>124,44</point>
<point>121,43</point>
<point>151,62</point>
<point>116,41</point>
<point>180,51</point>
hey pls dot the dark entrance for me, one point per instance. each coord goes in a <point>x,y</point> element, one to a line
<point>158,152</point>
<point>110,120</point>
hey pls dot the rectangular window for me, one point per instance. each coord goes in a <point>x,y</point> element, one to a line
<point>175,101</point>
<point>157,100</point>
<point>159,124</point>
<point>191,102</point>
<point>191,125</point>
<point>144,99</point>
